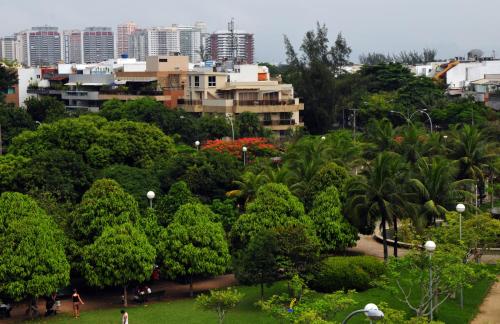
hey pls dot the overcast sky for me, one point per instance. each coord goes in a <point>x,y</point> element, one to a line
<point>452,27</point>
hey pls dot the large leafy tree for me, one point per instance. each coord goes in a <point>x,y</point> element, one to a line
<point>386,77</point>
<point>32,259</point>
<point>119,256</point>
<point>379,195</point>
<point>274,206</point>
<point>178,195</point>
<point>11,172</point>
<point>45,109</point>
<point>104,204</point>
<point>333,230</point>
<point>193,244</point>
<point>435,189</point>
<point>13,121</point>
<point>249,125</point>
<point>313,75</point>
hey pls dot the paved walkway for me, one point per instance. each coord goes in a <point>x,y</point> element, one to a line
<point>489,312</point>
<point>369,246</point>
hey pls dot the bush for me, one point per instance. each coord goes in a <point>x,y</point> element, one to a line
<point>344,273</point>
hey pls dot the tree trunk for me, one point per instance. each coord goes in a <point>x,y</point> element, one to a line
<point>261,291</point>
<point>191,294</point>
<point>395,225</point>
<point>125,297</point>
<point>383,211</point>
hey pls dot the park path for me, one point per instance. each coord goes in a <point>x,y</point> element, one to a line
<point>489,312</point>
<point>369,246</point>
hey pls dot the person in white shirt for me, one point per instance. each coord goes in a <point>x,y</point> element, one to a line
<point>124,317</point>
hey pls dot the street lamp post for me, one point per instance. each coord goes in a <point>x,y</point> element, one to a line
<point>244,149</point>
<point>323,138</point>
<point>197,144</point>
<point>430,246</point>
<point>371,311</point>
<point>408,118</point>
<point>151,196</point>
<point>460,209</point>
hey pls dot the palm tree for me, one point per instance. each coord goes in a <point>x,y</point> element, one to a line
<point>382,135</point>
<point>434,188</point>
<point>379,194</point>
<point>413,143</point>
<point>248,186</point>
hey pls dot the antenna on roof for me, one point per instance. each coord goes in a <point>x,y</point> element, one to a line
<point>233,41</point>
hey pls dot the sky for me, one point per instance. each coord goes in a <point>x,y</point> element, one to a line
<point>386,26</point>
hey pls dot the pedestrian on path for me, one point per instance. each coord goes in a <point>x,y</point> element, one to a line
<point>124,316</point>
<point>77,300</point>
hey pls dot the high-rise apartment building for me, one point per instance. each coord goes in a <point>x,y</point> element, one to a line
<point>163,41</point>
<point>8,48</point>
<point>72,46</point>
<point>40,46</point>
<point>122,37</point>
<point>190,42</point>
<point>230,44</point>
<point>98,44</point>
<point>138,45</point>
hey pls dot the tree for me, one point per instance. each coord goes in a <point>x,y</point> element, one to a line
<point>62,173</point>
<point>273,207</point>
<point>248,186</point>
<point>210,127</point>
<point>220,301</point>
<point>227,210</point>
<point>249,125</point>
<point>8,77</point>
<point>178,195</point>
<point>313,75</point>
<point>385,77</point>
<point>435,189</point>
<point>120,255</point>
<point>45,109</point>
<point>379,195</point>
<point>334,232</point>
<point>32,259</point>
<point>135,181</point>
<point>11,172</point>
<point>331,174</point>
<point>258,263</point>
<point>13,121</point>
<point>407,278</point>
<point>193,244</point>
<point>104,204</point>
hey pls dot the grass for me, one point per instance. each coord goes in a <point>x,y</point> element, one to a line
<point>186,312</point>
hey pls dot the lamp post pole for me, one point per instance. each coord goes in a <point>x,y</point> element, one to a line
<point>371,311</point>
<point>430,246</point>
<point>460,209</point>
<point>197,144</point>
<point>151,196</point>
<point>244,149</point>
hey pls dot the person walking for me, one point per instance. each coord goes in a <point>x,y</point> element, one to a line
<point>77,300</point>
<point>124,316</point>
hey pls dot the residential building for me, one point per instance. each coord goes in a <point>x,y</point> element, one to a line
<point>98,44</point>
<point>123,32</point>
<point>246,88</point>
<point>72,46</point>
<point>138,45</point>
<point>163,41</point>
<point>487,90</point>
<point>41,46</point>
<point>231,44</point>
<point>8,48</point>
<point>190,42</point>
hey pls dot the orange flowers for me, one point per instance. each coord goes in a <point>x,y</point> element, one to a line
<point>257,146</point>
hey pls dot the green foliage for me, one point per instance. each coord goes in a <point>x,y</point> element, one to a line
<point>419,93</point>
<point>178,195</point>
<point>45,109</point>
<point>119,256</point>
<point>386,77</point>
<point>227,210</point>
<point>62,173</point>
<point>273,207</point>
<point>11,172</point>
<point>220,301</point>
<point>193,244</point>
<point>344,273</point>
<point>249,125</point>
<point>32,259</point>
<point>213,127</point>
<point>8,77</point>
<point>407,278</point>
<point>331,174</point>
<point>135,181</point>
<point>332,229</point>
<point>309,308</point>
<point>13,121</point>
<point>148,223</point>
<point>461,111</point>
<point>104,204</point>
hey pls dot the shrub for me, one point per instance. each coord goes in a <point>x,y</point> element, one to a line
<point>344,273</point>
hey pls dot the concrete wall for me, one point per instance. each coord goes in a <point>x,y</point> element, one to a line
<point>167,63</point>
<point>26,77</point>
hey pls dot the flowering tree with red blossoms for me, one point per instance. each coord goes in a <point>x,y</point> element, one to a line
<point>257,146</point>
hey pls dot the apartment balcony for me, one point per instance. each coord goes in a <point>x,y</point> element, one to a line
<point>240,106</point>
<point>281,124</point>
<point>43,91</point>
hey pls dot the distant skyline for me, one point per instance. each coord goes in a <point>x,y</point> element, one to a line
<point>386,26</point>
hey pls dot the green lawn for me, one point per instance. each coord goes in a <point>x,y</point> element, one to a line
<point>185,311</point>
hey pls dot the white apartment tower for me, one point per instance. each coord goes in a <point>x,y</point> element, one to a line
<point>98,44</point>
<point>190,42</point>
<point>40,46</point>
<point>8,48</point>
<point>231,44</point>
<point>138,45</point>
<point>122,37</point>
<point>72,46</point>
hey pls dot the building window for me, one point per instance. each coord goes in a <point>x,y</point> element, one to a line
<point>196,80</point>
<point>211,81</point>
